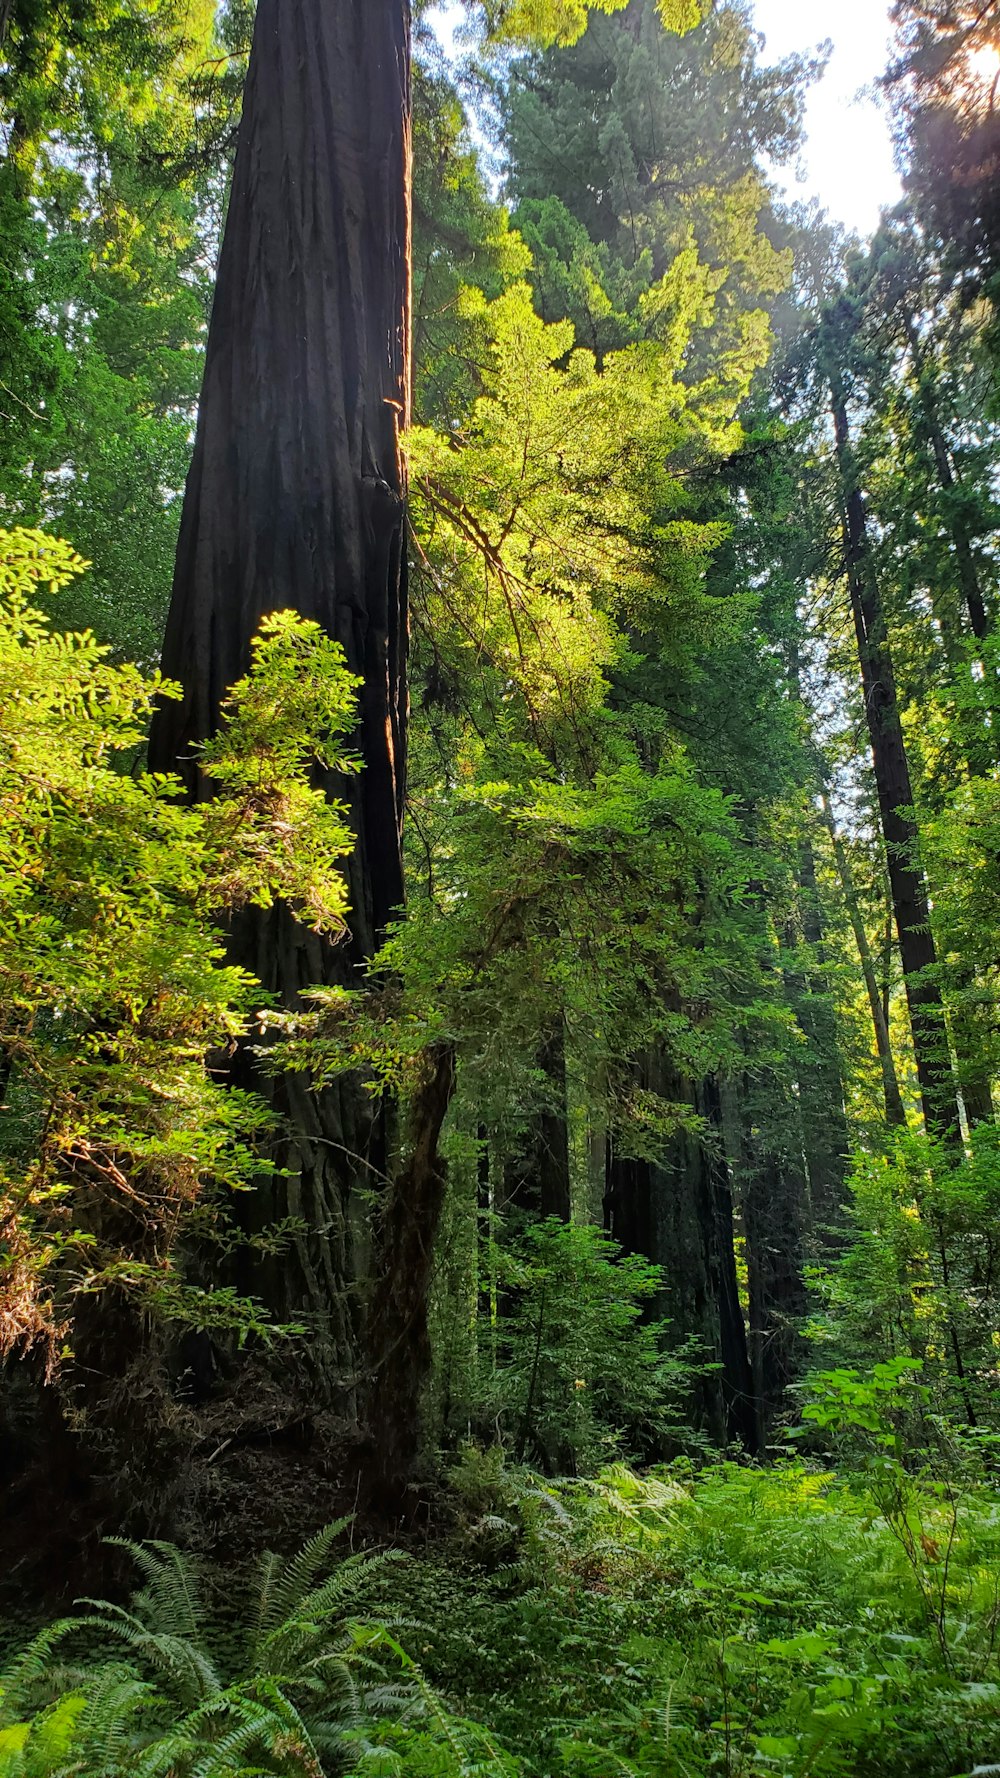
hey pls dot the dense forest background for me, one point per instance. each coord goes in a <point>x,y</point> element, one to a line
<point>499,840</point>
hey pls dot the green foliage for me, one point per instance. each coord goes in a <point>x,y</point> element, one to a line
<point>914,1285</point>
<point>739,1621</point>
<point>114,985</point>
<point>678,127</point>
<point>119,121</point>
<point>290,1683</point>
<point>577,1369</point>
<point>630,647</point>
<point>564,21</point>
<point>283,1696</point>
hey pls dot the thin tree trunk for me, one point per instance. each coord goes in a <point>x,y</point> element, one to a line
<point>888,952</point>
<point>736,1374</point>
<point>773,1204</point>
<point>895,796</point>
<point>486,1270</point>
<point>895,1112</point>
<point>827,1138</point>
<point>296,497</point>
<point>980,753</point>
<point>399,1337</point>
<point>968,576</point>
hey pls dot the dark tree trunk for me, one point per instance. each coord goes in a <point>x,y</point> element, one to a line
<point>737,1374</point>
<point>296,491</point>
<point>968,575</point>
<point>895,1112</point>
<point>980,744</point>
<point>399,1338</point>
<point>295,498</point>
<point>678,1212</point>
<point>895,796</point>
<point>538,1176</point>
<point>826,1138</point>
<point>773,1202</point>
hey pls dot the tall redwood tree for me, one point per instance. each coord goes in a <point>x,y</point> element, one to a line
<point>295,497</point>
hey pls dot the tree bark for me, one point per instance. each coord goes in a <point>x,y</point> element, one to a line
<point>538,1176</point>
<point>981,747</point>
<point>895,1112</point>
<point>825,1133</point>
<point>968,576</point>
<point>826,1139</point>
<point>895,796</point>
<point>297,485</point>
<point>399,1337</point>
<point>678,1212</point>
<point>763,1141</point>
<point>296,498</point>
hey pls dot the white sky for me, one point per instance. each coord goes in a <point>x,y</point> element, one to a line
<point>848,156</point>
<point>847,161</point>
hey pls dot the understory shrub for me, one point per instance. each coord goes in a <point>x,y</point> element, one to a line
<point>751,1623</point>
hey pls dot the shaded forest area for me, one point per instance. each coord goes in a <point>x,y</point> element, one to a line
<point>499,900</point>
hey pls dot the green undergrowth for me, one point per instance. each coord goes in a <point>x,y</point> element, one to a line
<point>738,1621</point>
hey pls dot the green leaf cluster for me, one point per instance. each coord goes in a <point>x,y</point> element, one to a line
<point>115,989</point>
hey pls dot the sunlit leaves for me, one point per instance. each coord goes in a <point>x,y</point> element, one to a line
<point>541,22</point>
<point>114,983</point>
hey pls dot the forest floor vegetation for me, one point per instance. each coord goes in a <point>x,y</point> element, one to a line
<point>747,1621</point>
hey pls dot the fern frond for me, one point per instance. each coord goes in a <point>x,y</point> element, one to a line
<point>187,1667</point>
<point>171,1599</point>
<point>292,1722</point>
<point>346,1581</point>
<point>256,1726</point>
<point>166,1757</point>
<point>376,1762</point>
<point>260,1611</point>
<point>190,1671</point>
<point>115,1697</point>
<point>290,1640</point>
<point>259,1720</point>
<point>287,1589</point>
<point>31,1665</point>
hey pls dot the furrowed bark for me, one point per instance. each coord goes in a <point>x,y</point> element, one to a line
<point>296,498</point>
<point>678,1212</point>
<point>895,796</point>
<point>399,1338</point>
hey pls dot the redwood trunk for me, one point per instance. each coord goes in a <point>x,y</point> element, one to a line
<point>825,1137</point>
<point>678,1212</point>
<point>399,1336</point>
<point>764,1143</point>
<point>975,1085</point>
<point>538,1177</point>
<point>295,498</point>
<point>895,797</point>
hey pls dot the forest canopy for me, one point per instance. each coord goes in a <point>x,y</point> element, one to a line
<point>500,965</point>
